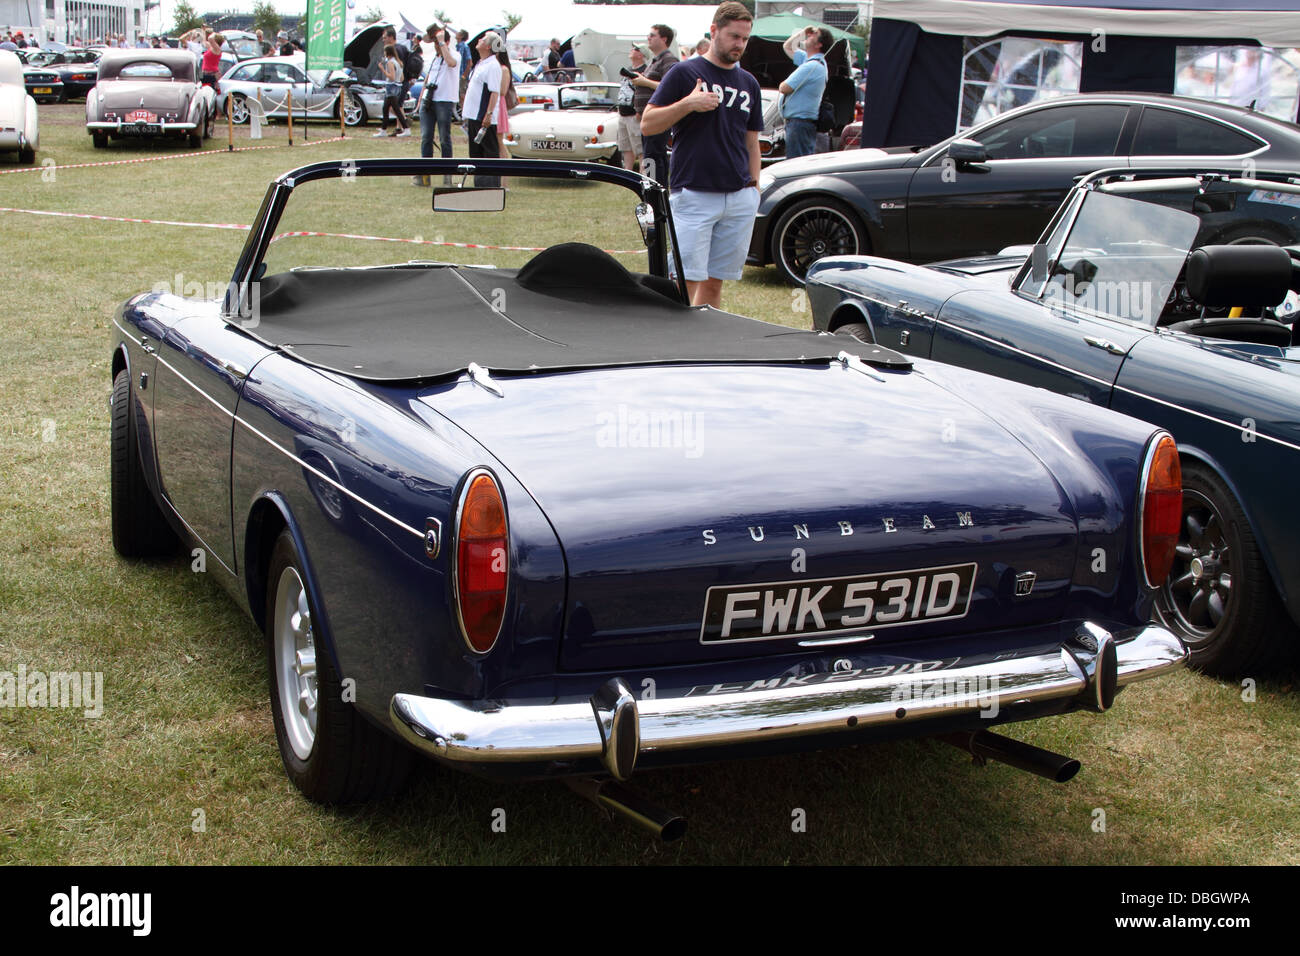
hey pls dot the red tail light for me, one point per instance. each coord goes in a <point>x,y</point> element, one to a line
<point>482,561</point>
<point>600,128</point>
<point>1161,509</point>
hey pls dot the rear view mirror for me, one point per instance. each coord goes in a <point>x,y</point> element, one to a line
<point>470,199</point>
<point>967,151</point>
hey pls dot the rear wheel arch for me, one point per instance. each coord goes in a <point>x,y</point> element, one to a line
<point>850,313</point>
<point>1254,613</point>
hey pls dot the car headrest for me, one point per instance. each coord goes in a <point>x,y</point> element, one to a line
<point>1248,276</point>
<point>574,265</point>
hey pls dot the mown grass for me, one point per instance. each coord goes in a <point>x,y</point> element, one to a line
<point>1184,769</point>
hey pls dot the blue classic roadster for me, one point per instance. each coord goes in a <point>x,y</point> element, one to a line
<point>530,514</point>
<point>1138,298</point>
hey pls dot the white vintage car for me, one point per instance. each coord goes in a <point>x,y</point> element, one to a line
<point>583,125</point>
<point>18,125</point>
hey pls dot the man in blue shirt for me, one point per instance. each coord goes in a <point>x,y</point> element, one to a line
<point>715,109</point>
<point>802,94</point>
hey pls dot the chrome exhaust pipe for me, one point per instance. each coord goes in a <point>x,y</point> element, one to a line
<point>610,795</point>
<point>985,745</point>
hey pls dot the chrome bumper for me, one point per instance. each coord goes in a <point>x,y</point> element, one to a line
<point>115,126</point>
<point>615,728</point>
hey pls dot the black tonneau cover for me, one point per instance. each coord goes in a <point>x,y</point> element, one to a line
<point>573,306</point>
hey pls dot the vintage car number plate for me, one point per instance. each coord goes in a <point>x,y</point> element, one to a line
<point>552,144</point>
<point>141,116</point>
<point>765,612</point>
<point>141,129</point>
<point>42,89</point>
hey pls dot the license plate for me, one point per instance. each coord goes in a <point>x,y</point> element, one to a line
<point>141,129</point>
<point>42,89</point>
<point>552,144</point>
<point>775,610</point>
<point>141,116</point>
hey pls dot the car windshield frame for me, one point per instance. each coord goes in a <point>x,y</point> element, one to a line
<point>1090,276</point>
<point>1130,184</point>
<point>574,88</point>
<point>660,244</point>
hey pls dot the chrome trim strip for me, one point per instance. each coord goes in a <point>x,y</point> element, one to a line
<point>1114,385</point>
<point>280,448</point>
<point>504,732</point>
<point>207,548</point>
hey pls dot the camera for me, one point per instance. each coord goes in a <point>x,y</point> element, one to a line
<point>630,74</point>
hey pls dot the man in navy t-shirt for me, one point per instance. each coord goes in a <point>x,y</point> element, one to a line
<point>715,110</point>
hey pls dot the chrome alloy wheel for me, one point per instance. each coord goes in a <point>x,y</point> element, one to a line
<point>353,112</point>
<point>1199,588</point>
<point>295,662</point>
<point>813,231</point>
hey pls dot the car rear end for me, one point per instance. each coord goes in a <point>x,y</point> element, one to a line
<point>738,581</point>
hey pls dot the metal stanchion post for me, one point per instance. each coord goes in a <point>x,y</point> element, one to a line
<point>343,105</point>
<point>288,102</point>
<point>230,125</point>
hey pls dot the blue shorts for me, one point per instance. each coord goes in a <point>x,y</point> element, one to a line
<point>713,231</point>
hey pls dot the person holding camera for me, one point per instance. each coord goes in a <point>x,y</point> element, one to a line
<point>655,147</point>
<point>440,95</point>
<point>480,109</point>
<point>629,124</point>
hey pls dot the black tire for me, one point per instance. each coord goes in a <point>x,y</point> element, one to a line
<point>1229,615</point>
<point>238,109</point>
<point>195,140</point>
<point>208,123</point>
<point>27,156</point>
<point>812,229</point>
<point>139,528</point>
<point>99,139</point>
<point>354,110</point>
<point>616,160</point>
<point>334,755</point>
<point>859,330</point>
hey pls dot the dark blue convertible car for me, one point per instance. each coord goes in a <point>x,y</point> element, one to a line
<point>1138,297</point>
<point>528,513</point>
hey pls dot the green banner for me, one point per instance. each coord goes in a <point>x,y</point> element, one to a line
<point>325,42</point>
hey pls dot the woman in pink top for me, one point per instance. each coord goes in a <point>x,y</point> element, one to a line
<point>211,66</point>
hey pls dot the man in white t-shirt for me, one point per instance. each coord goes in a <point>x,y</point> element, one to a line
<point>441,92</point>
<point>480,109</point>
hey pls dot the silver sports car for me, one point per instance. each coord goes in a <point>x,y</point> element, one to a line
<point>277,81</point>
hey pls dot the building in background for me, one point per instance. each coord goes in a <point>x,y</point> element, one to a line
<point>70,21</point>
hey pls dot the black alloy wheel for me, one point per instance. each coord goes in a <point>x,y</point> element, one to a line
<point>1219,597</point>
<point>813,229</point>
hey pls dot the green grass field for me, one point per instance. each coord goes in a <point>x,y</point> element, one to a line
<point>182,767</point>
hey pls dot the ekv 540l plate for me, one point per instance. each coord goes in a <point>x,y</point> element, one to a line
<point>828,606</point>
